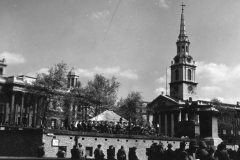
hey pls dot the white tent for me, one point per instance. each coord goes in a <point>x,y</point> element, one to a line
<point>109,116</point>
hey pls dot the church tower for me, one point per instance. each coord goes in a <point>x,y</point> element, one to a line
<point>183,82</point>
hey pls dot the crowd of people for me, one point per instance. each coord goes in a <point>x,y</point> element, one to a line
<point>101,127</point>
<point>78,153</point>
<point>112,127</point>
<point>194,152</point>
<point>156,152</point>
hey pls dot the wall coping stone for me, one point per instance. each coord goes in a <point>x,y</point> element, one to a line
<point>90,134</point>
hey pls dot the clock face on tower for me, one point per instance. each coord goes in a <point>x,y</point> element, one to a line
<point>190,88</point>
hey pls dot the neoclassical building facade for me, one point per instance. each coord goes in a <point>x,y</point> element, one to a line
<point>180,113</point>
<point>16,108</point>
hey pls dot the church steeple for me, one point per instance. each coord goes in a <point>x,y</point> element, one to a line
<point>183,82</point>
<point>183,41</point>
<point>183,34</point>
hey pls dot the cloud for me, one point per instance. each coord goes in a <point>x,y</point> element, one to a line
<point>210,90</point>
<point>115,71</point>
<point>164,4</point>
<point>34,74</point>
<point>161,79</point>
<point>160,90</point>
<point>204,99</point>
<point>12,58</point>
<point>99,15</point>
<point>218,73</point>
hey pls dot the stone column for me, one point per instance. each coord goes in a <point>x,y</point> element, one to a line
<point>172,124</point>
<point>159,122</point>
<point>70,113</point>
<point>21,108</point>
<point>38,121</point>
<point>75,111</point>
<point>186,116</point>
<point>180,116</point>
<point>34,106</point>
<point>166,125</point>
<point>86,112</point>
<point>30,115</point>
<point>12,108</point>
<point>6,110</point>
<point>197,118</point>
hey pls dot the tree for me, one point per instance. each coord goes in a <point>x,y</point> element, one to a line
<point>49,89</point>
<point>99,94</point>
<point>130,107</point>
<point>227,114</point>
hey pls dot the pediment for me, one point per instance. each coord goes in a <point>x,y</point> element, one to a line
<point>163,101</point>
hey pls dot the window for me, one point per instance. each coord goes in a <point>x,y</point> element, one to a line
<point>72,82</point>
<point>189,74</point>
<point>224,131</point>
<point>89,151</point>
<point>231,132</point>
<point>187,48</point>
<point>1,71</point>
<point>176,74</point>
<point>183,48</point>
<point>69,82</point>
<point>53,123</point>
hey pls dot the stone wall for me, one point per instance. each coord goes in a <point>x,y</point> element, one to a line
<point>90,141</point>
<point>24,142</point>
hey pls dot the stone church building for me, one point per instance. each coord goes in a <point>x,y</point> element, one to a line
<point>181,113</point>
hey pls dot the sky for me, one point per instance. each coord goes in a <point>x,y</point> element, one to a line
<point>135,42</point>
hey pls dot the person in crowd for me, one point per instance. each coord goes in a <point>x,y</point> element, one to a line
<point>202,151</point>
<point>41,150</point>
<point>151,152</point>
<point>121,154</point>
<point>132,154</point>
<point>79,126</point>
<point>238,153</point>
<point>89,126</point>
<point>98,153</point>
<point>169,153</point>
<point>231,154</point>
<point>211,152</point>
<point>159,154</point>
<point>190,153</point>
<point>179,150</point>
<point>111,153</point>
<point>80,152</point>
<point>74,152</point>
<point>61,153</point>
<point>84,126</point>
<point>221,153</point>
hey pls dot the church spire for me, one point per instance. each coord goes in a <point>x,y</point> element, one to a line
<point>183,35</point>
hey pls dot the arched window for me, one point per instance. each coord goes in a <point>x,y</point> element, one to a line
<point>183,48</point>
<point>176,74</point>
<point>186,48</point>
<point>178,49</point>
<point>189,74</point>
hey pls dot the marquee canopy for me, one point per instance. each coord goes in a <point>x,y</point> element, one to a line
<point>109,116</point>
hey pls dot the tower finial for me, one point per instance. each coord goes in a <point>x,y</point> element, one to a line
<point>183,34</point>
<point>182,7</point>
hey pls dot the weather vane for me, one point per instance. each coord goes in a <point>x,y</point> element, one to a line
<point>182,6</point>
